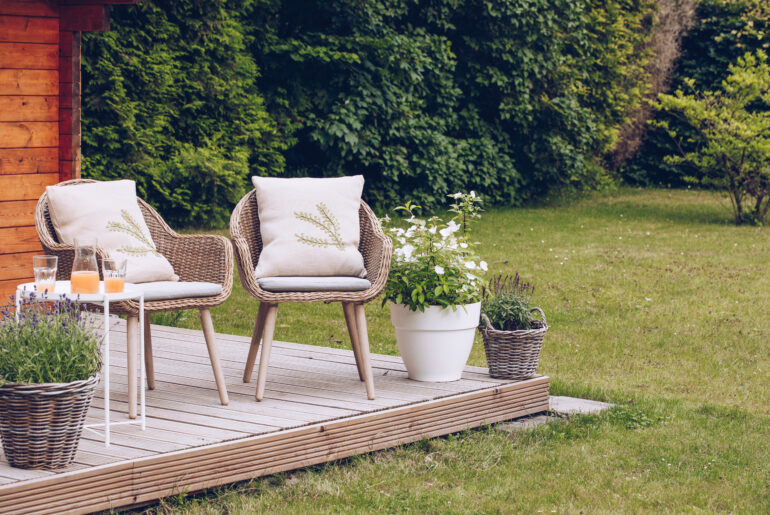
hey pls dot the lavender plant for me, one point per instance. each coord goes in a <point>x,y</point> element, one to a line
<point>434,263</point>
<point>506,302</point>
<point>49,343</point>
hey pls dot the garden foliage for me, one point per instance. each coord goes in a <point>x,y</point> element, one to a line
<point>47,344</point>
<point>434,262</point>
<point>512,98</point>
<point>170,100</point>
<point>732,140</point>
<point>724,31</point>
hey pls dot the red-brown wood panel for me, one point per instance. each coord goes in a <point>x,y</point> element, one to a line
<point>29,56</point>
<point>25,187</point>
<point>19,239</point>
<point>29,109</point>
<point>65,69</point>
<point>85,17</point>
<point>65,96</point>
<point>29,134</point>
<point>27,29</point>
<point>65,121</point>
<point>16,266</point>
<point>17,213</point>
<point>29,160</point>
<point>29,7</point>
<point>29,82</point>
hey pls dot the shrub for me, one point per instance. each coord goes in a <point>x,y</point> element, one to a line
<point>170,100</point>
<point>724,30</point>
<point>511,98</point>
<point>48,344</point>
<point>733,135</point>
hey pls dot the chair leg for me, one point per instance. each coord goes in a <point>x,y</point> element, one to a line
<point>350,320</point>
<point>211,344</point>
<point>256,337</point>
<point>132,339</point>
<point>267,346</point>
<point>149,365</point>
<point>363,349</point>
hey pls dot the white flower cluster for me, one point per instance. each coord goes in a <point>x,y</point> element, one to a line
<point>427,240</point>
<point>434,262</point>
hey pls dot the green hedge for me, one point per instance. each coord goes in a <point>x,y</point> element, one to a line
<point>512,98</point>
<point>170,100</point>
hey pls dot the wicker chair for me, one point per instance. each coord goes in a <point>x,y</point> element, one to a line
<point>206,258</point>
<point>374,246</point>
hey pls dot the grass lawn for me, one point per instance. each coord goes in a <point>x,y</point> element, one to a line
<point>655,303</point>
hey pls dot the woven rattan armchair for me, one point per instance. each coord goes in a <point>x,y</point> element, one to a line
<point>206,258</point>
<point>376,249</point>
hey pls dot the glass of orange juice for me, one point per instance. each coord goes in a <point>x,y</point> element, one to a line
<point>45,272</point>
<point>85,274</point>
<point>114,271</point>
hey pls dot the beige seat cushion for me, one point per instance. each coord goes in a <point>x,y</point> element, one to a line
<point>108,211</point>
<point>168,290</point>
<point>309,227</point>
<point>335,283</point>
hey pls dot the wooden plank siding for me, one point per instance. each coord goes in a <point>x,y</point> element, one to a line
<point>315,410</point>
<point>30,93</point>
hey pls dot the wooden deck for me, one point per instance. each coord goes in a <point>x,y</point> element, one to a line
<point>315,410</point>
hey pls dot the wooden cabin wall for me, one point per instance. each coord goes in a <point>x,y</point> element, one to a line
<point>29,128</point>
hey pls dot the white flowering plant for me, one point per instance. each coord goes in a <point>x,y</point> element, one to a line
<point>434,262</point>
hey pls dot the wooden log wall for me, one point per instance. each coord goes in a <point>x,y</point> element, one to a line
<point>29,128</point>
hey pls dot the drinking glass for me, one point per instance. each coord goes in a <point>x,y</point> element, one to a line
<point>45,272</point>
<point>114,271</point>
<point>85,273</point>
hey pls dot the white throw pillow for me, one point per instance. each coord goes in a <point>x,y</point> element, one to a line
<point>108,212</point>
<point>309,226</point>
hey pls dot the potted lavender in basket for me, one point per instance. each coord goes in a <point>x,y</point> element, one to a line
<point>513,338</point>
<point>49,367</point>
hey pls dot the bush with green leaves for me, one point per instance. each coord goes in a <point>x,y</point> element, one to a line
<point>506,303</point>
<point>510,98</point>
<point>732,141</point>
<point>170,100</point>
<point>434,263</point>
<point>50,343</point>
<point>724,30</point>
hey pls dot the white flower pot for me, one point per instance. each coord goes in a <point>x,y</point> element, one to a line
<point>435,344</point>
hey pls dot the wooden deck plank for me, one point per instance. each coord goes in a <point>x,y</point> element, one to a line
<point>248,457</point>
<point>315,410</point>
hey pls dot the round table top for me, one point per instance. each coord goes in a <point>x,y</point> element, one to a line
<point>63,290</point>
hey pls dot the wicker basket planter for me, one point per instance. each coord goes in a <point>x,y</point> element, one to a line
<point>513,354</point>
<point>40,424</point>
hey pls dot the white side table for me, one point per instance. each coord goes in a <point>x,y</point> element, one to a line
<point>63,290</point>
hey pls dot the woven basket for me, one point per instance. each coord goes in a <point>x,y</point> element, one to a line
<point>40,424</point>
<point>513,354</point>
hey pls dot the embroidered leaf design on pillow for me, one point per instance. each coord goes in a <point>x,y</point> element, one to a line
<point>326,222</point>
<point>133,229</point>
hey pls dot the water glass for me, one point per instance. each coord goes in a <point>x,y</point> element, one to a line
<point>45,272</point>
<point>114,273</point>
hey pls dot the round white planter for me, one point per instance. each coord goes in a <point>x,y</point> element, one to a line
<point>435,344</point>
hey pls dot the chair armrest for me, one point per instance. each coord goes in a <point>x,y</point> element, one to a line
<point>376,249</point>
<point>242,229</point>
<point>199,257</point>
